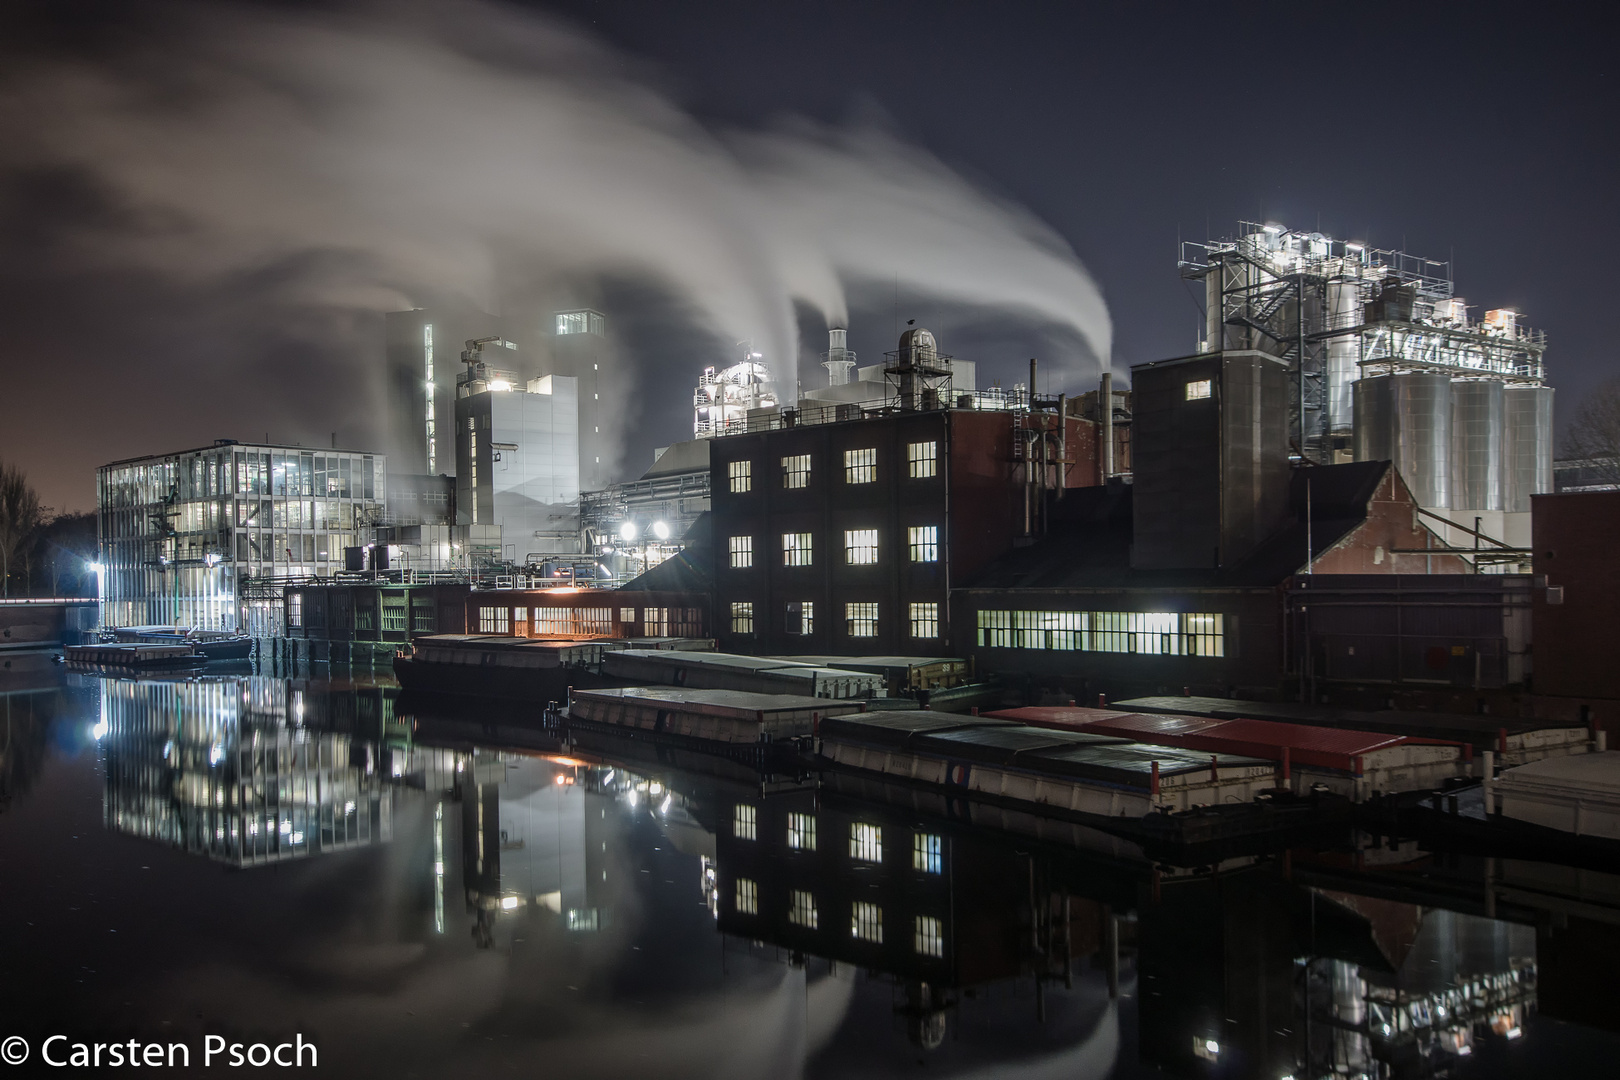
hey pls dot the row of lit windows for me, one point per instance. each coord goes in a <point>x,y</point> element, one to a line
<point>860,618</point>
<point>865,918</point>
<point>247,473</point>
<point>865,839</point>
<point>860,547</point>
<point>1160,633</point>
<point>860,467</point>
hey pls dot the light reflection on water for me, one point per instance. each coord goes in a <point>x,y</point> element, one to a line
<point>447,893</point>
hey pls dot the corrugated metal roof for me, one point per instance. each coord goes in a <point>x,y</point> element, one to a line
<point>697,700</point>
<point>1331,748</point>
<point>1131,764</point>
<point>1000,745</point>
<point>890,728</point>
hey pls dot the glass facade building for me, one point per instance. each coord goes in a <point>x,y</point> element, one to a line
<point>180,532</point>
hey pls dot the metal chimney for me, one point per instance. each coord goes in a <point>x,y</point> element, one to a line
<point>1105,413</point>
<point>839,359</point>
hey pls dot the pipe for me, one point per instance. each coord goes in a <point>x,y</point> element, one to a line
<point>1106,409</point>
<point>1063,444</point>
<point>1031,386</point>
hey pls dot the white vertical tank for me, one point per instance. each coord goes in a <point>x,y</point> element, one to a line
<point>1343,353</point>
<point>1528,447</point>
<point>1407,419</point>
<point>1476,444</point>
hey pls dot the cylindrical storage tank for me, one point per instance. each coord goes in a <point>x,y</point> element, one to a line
<point>1527,465</point>
<point>1476,444</point>
<point>1344,310</point>
<point>1407,419</point>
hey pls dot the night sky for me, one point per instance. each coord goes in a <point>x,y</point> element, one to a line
<point>1479,133</point>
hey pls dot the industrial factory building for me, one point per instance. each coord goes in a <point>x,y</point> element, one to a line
<point>180,533</point>
<point>517,454</point>
<point>846,536</point>
<point>1385,363</point>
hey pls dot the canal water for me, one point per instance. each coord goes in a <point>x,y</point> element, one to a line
<point>428,890</point>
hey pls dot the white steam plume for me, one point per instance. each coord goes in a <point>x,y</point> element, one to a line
<point>431,144</point>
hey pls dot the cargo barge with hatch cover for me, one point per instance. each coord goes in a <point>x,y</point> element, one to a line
<point>1154,794</point>
<point>534,670</point>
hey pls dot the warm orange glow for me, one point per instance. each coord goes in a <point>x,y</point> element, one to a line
<point>572,763</point>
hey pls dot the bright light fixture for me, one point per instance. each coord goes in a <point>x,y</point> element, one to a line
<point>509,903</point>
<point>1212,1046</point>
<point>627,531</point>
<point>660,530</point>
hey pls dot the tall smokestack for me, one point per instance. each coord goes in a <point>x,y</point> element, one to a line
<point>1105,403</point>
<point>839,359</point>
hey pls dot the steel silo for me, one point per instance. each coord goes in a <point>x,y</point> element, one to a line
<point>1528,448</point>
<point>1476,444</point>
<point>1407,419</point>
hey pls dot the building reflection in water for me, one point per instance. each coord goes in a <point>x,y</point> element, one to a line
<point>229,768</point>
<point>1242,968</point>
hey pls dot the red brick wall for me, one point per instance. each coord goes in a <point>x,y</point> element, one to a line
<point>1392,522</point>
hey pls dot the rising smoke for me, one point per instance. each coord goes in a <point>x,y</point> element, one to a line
<point>390,152</point>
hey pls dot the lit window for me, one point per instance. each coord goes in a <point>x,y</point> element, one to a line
<point>627,614</point>
<point>744,822</point>
<point>860,466</point>
<point>860,546</point>
<point>742,617</point>
<point>801,834</point>
<point>866,842</point>
<point>925,620</point>
<point>796,549</point>
<point>866,922</point>
<point>924,543</point>
<point>860,620</point>
<point>801,617</point>
<point>922,459</point>
<point>1150,633</point>
<point>295,609</point>
<point>1199,389</point>
<point>796,471</point>
<point>929,938</point>
<point>747,897</point>
<point>742,476</point>
<point>742,552</point>
<point>494,620</point>
<point>925,853</point>
<point>803,911</point>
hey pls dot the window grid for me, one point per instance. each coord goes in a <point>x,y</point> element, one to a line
<point>922,459</point>
<point>925,620</point>
<point>866,922</point>
<point>803,911</point>
<point>1199,389</point>
<point>801,617</point>
<point>927,853</point>
<point>741,474</point>
<point>860,547</point>
<point>866,842</point>
<point>494,620</point>
<point>796,471</point>
<point>796,549</point>
<point>860,619</point>
<point>929,936</point>
<point>742,617</point>
<point>924,543</point>
<point>1151,633</point>
<point>744,822</point>
<point>860,466</point>
<point>747,897</point>
<point>801,834</point>
<point>742,552</point>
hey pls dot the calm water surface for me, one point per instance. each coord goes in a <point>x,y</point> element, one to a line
<point>428,892</point>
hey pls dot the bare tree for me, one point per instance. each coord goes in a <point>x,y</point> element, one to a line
<point>20,515</point>
<point>1594,435</point>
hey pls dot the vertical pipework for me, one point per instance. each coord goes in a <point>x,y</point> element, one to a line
<point>1063,444</point>
<point>1032,383</point>
<point>1105,405</point>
